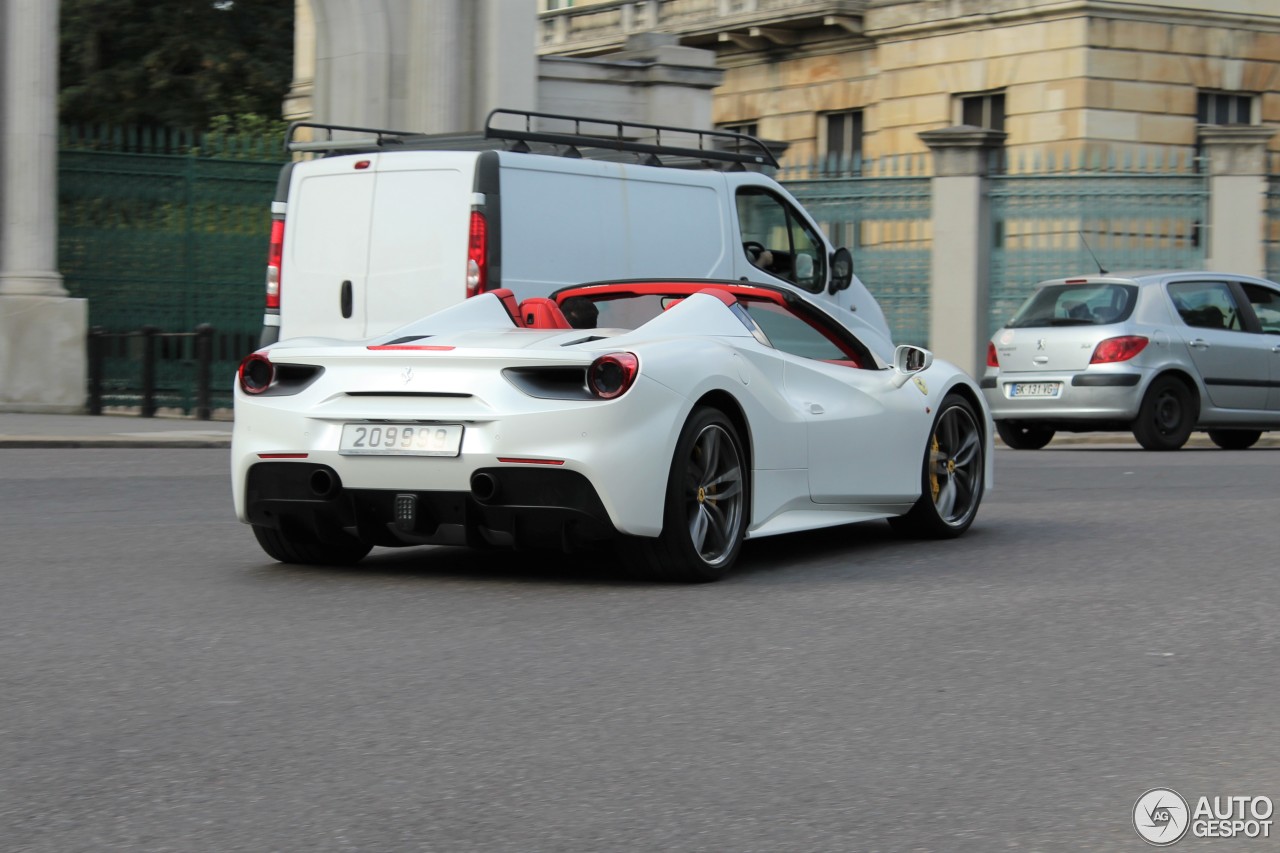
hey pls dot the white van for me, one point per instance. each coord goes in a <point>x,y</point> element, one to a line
<point>386,228</point>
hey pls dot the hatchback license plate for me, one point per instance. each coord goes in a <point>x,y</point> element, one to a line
<point>401,440</point>
<point>1035,389</point>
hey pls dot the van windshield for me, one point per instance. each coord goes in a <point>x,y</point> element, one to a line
<point>1076,305</point>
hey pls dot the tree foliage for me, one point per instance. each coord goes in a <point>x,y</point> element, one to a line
<point>174,63</point>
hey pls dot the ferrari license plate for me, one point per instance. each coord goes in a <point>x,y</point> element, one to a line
<point>1035,389</point>
<point>401,440</point>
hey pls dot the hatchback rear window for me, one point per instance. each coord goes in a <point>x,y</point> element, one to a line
<point>1077,305</point>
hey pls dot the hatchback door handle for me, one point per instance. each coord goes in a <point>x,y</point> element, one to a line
<point>1198,343</point>
<point>1275,349</point>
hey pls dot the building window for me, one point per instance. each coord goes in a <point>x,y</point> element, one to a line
<point>842,141</point>
<point>985,111</point>
<point>749,128</point>
<point>552,5</point>
<point>1224,108</point>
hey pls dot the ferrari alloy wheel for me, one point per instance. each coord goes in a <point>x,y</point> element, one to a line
<point>1166,417</point>
<point>1023,436</point>
<point>1235,439</point>
<point>296,546</point>
<point>952,477</point>
<point>705,517</point>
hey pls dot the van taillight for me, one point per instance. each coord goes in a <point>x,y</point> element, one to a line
<point>275,254</point>
<point>477,255</point>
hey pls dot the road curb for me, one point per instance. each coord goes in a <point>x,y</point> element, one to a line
<point>139,443</point>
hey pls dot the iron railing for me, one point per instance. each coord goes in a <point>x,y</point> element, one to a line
<point>169,231</point>
<point>880,210</point>
<point>1050,217</point>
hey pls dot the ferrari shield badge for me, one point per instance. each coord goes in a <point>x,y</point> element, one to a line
<point>924,389</point>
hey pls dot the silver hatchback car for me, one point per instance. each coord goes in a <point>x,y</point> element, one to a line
<point>1160,354</point>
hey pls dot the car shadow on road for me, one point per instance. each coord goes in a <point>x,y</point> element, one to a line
<point>852,551</point>
<point>593,568</point>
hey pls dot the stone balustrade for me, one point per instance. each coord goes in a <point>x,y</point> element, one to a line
<point>602,27</point>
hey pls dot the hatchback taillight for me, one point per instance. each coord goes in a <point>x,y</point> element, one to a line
<point>992,359</point>
<point>477,255</point>
<point>275,258</point>
<point>1122,348</point>
<point>611,375</point>
<point>256,373</point>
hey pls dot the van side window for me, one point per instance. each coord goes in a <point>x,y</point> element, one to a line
<point>777,240</point>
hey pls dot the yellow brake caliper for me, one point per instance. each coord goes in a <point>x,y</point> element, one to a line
<point>933,468</point>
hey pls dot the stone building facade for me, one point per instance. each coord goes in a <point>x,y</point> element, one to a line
<point>866,77</point>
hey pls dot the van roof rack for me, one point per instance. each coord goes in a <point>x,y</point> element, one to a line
<point>632,136</point>
<point>370,138</point>
<point>600,139</point>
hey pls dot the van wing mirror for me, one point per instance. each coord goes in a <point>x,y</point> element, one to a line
<point>841,269</point>
<point>909,360</point>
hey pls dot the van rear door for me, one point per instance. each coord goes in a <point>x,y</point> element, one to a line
<point>418,242</point>
<point>326,247</point>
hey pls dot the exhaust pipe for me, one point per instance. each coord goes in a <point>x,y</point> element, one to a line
<point>322,483</point>
<point>484,487</point>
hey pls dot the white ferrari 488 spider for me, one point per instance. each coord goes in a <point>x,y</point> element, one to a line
<point>675,417</point>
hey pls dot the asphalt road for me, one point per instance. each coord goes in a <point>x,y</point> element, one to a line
<point>1109,625</point>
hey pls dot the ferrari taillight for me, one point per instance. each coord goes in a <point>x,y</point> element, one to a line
<point>275,260</point>
<point>477,255</point>
<point>256,373</point>
<point>611,375</point>
<point>1122,348</point>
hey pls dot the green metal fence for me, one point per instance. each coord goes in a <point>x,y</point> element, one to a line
<point>1134,212</point>
<point>167,230</point>
<point>880,210</point>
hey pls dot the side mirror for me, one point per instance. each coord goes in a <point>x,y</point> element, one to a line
<point>908,361</point>
<point>841,269</point>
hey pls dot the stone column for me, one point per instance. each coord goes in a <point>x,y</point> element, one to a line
<point>42,332</point>
<point>440,66</point>
<point>960,269</point>
<point>297,103</point>
<point>1237,157</point>
<point>28,241</point>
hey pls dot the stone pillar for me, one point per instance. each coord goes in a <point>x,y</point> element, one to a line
<point>297,104</point>
<point>1237,156</point>
<point>42,332</point>
<point>440,67</point>
<point>960,270</point>
<point>653,81</point>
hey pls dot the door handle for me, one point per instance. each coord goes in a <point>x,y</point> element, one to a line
<point>1275,349</point>
<point>1198,343</point>
<point>815,409</point>
<point>345,300</point>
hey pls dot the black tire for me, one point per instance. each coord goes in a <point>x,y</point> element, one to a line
<point>1235,439</point>
<point>705,516</point>
<point>1023,436</point>
<point>1166,417</point>
<point>299,547</point>
<point>952,476</point>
